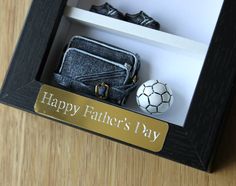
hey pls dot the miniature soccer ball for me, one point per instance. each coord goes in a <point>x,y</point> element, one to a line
<point>154,97</point>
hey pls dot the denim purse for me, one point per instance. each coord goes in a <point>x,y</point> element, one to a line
<point>97,69</point>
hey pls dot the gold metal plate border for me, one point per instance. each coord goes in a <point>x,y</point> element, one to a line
<point>102,118</point>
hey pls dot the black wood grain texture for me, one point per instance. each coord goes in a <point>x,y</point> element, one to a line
<point>192,145</point>
<point>34,44</point>
<point>213,94</point>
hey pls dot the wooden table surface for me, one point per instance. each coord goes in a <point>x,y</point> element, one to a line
<point>36,151</point>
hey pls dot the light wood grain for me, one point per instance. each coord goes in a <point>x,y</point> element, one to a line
<point>36,151</point>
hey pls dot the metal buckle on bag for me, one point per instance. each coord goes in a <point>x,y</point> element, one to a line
<point>135,79</point>
<point>102,90</point>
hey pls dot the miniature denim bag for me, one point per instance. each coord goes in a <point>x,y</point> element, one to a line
<point>96,69</point>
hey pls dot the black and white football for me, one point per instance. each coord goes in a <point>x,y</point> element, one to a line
<point>154,97</point>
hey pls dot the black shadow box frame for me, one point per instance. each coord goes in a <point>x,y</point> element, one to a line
<point>195,143</point>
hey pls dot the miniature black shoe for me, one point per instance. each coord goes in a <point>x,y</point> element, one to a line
<point>142,19</point>
<point>107,10</point>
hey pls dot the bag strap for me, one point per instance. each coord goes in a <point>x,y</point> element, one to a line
<point>103,91</point>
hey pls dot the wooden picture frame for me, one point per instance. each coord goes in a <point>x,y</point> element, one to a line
<point>195,143</point>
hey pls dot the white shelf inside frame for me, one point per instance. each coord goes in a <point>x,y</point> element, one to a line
<point>160,39</point>
<point>174,55</point>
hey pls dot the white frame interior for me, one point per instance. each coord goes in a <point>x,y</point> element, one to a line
<point>173,58</point>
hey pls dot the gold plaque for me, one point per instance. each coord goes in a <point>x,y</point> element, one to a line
<point>102,118</point>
